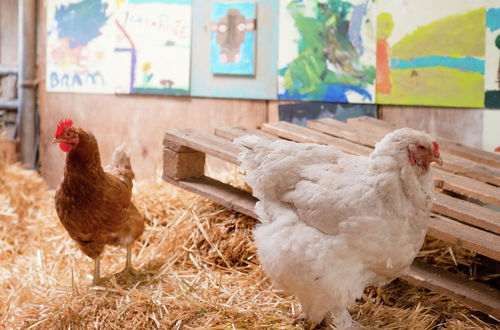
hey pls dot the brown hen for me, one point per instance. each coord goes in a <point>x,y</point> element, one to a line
<point>93,204</point>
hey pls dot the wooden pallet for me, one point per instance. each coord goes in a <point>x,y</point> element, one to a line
<point>460,220</point>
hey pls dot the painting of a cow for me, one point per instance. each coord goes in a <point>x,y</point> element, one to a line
<point>233,29</point>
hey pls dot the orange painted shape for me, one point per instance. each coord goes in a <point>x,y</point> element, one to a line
<point>384,85</point>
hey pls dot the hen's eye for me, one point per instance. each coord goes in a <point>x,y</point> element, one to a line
<point>421,147</point>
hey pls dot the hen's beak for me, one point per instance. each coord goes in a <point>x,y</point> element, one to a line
<point>437,160</point>
<point>56,140</point>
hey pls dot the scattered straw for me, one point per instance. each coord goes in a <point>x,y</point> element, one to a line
<point>197,268</point>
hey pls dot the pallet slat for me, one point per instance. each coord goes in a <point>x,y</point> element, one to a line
<point>467,212</point>
<point>9,104</point>
<point>221,193</point>
<point>231,133</point>
<point>303,134</point>
<point>7,70</point>
<point>474,294</point>
<point>452,147</point>
<point>456,233</point>
<point>205,142</point>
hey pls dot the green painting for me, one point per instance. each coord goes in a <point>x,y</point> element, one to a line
<point>431,57</point>
<point>327,51</point>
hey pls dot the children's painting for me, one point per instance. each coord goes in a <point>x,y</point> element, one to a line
<point>80,36</point>
<point>492,74</point>
<point>327,50</point>
<point>152,48</point>
<point>431,53</point>
<point>232,39</point>
<point>491,134</point>
<point>301,113</point>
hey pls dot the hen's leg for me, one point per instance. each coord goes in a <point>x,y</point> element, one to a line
<point>97,271</point>
<point>128,262</point>
<point>128,270</point>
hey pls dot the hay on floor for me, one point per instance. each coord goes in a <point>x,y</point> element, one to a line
<point>197,268</point>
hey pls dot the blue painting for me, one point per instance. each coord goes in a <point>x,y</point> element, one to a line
<point>301,113</point>
<point>232,49</point>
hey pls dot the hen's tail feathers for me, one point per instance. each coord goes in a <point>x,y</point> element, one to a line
<point>120,164</point>
<point>254,144</point>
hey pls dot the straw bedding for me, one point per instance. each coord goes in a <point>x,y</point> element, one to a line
<point>196,268</point>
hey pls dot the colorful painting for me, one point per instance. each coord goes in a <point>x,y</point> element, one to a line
<point>327,50</point>
<point>301,113</point>
<point>80,35</point>
<point>262,84</point>
<point>152,52</point>
<point>232,48</point>
<point>492,73</point>
<point>431,53</point>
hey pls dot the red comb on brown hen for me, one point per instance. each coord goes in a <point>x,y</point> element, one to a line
<point>63,124</point>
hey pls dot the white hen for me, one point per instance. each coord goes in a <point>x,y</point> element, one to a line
<point>334,223</point>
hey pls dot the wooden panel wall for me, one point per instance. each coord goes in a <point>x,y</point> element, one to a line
<point>8,45</point>
<point>459,124</point>
<point>8,32</point>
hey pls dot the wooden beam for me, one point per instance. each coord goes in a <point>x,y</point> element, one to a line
<point>9,104</point>
<point>221,193</point>
<point>467,212</point>
<point>477,295</point>
<point>452,147</point>
<point>304,134</point>
<point>206,143</point>
<point>230,133</point>
<point>7,70</point>
<point>456,233</point>
<point>467,187</point>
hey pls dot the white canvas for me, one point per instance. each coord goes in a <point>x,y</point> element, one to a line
<point>80,49</point>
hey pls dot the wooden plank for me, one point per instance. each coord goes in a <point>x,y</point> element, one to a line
<point>474,294</point>
<point>7,70</point>
<point>342,130</point>
<point>467,212</point>
<point>230,133</point>
<point>449,181</point>
<point>447,145</point>
<point>8,104</point>
<point>456,233</point>
<point>206,143</point>
<point>303,134</point>
<point>467,187</point>
<point>221,193</point>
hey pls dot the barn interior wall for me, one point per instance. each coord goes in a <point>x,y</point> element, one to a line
<point>141,121</point>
